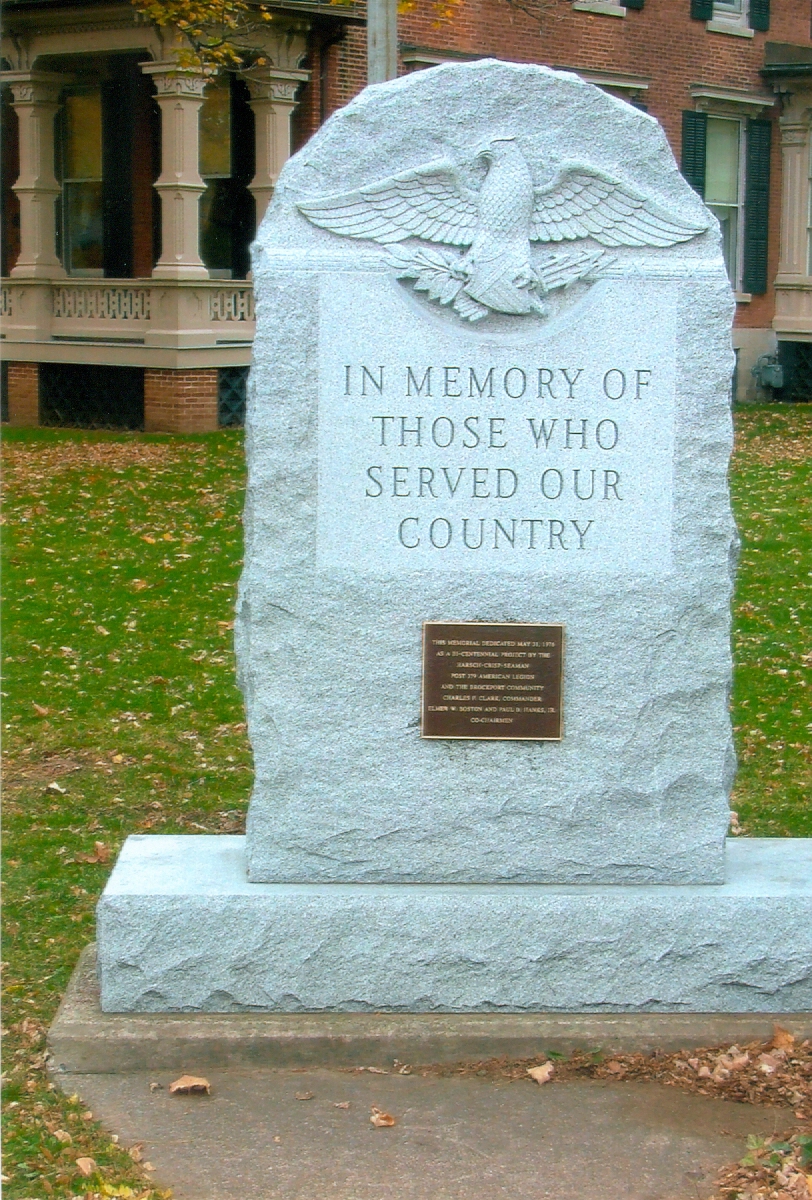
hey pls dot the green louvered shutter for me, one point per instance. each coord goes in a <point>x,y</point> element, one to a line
<point>633,3</point>
<point>702,10</point>
<point>694,138</point>
<point>759,17</point>
<point>756,207</point>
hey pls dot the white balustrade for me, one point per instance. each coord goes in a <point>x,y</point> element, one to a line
<point>97,303</point>
<point>231,304</point>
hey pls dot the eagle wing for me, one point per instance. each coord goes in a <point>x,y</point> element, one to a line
<point>427,202</point>
<point>584,203</point>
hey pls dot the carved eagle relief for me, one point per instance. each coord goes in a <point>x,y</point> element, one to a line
<point>495,226</point>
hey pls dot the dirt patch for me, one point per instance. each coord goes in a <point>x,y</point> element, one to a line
<point>30,465</point>
<point>788,440</point>
<point>18,773</point>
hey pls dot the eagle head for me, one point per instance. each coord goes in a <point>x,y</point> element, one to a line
<point>495,148</point>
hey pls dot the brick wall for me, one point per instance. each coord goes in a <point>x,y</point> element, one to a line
<point>23,393</point>
<point>180,401</point>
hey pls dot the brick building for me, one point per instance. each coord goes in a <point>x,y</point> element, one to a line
<point>131,188</point>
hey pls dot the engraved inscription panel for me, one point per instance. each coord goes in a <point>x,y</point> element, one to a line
<point>492,681</point>
<point>441,449</point>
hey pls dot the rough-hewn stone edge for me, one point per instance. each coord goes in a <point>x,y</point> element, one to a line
<point>84,1040</point>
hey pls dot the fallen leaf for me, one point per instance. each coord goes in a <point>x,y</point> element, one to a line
<point>342,1104</point>
<point>149,539</point>
<point>190,1085</point>
<point>86,1166</point>
<point>54,789</point>
<point>101,854</point>
<point>377,1071</point>
<point>782,1039</point>
<point>616,1068</point>
<point>304,1095</point>
<point>148,1166</point>
<point>542,1074</point>
<point>63,1136</point>
<point>104,632</point>
<point>734,1060</point>
<point>87,1115</point>
<point>381,1119</point>
<point>156,1087</point>
<point>40,710</point>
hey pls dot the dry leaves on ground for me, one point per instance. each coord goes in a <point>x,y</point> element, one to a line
<point>381,1119</point>
<point>774,1072</point>
<point>99,854</point>
<point>778,1071</point>
<point>772,1169</point>
<point>190,1085</point>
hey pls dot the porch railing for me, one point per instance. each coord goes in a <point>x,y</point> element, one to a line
<point>151,312</point>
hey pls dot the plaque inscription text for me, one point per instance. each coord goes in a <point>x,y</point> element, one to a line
<point>499,681</point>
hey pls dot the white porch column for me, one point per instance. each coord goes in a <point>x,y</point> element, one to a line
<point>272,100</point>
<point>794,198</point>
<point>382,40</point>
<point>179,96</point>
<point>36,101</point>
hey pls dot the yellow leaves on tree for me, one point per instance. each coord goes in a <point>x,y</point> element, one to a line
<point>227,35</point>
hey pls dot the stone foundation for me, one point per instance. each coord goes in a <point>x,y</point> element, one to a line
<point>180,929</point>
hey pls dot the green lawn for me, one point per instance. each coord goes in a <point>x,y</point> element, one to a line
<point>122,554</point>
<point>771,482</point>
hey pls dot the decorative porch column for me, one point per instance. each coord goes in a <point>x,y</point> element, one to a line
<point>795,186</point>
<point>273,102</point>
<point>36,101</point>
<point>179,96</point>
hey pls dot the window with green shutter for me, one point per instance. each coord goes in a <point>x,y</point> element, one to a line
<point>759,15</point>
<point>757,206</point>
<point>694,137</point>
<point>702,10</point>
<point>727,161</point>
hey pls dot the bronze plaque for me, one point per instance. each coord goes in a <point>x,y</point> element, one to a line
<point>488,682</point>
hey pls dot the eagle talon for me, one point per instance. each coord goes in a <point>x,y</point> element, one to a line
<point>526,278</point>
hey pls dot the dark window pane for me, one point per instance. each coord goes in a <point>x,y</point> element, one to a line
<point>215,131</point>
<point>83,226</point>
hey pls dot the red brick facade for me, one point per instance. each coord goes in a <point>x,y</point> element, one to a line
<point>180,401</point>
<point>23,393</point>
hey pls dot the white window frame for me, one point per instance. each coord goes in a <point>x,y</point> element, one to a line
<point>809,212</point>
<point>736,275</point>
<point>726,18</point>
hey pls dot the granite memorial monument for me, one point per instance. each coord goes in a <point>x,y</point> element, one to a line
<point>483,629</point>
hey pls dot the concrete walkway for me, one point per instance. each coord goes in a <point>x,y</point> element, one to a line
<point>455,1138</point>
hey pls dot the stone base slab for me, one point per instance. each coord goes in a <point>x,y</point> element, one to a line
<point>180,929</point>
<point>83,1040</point>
